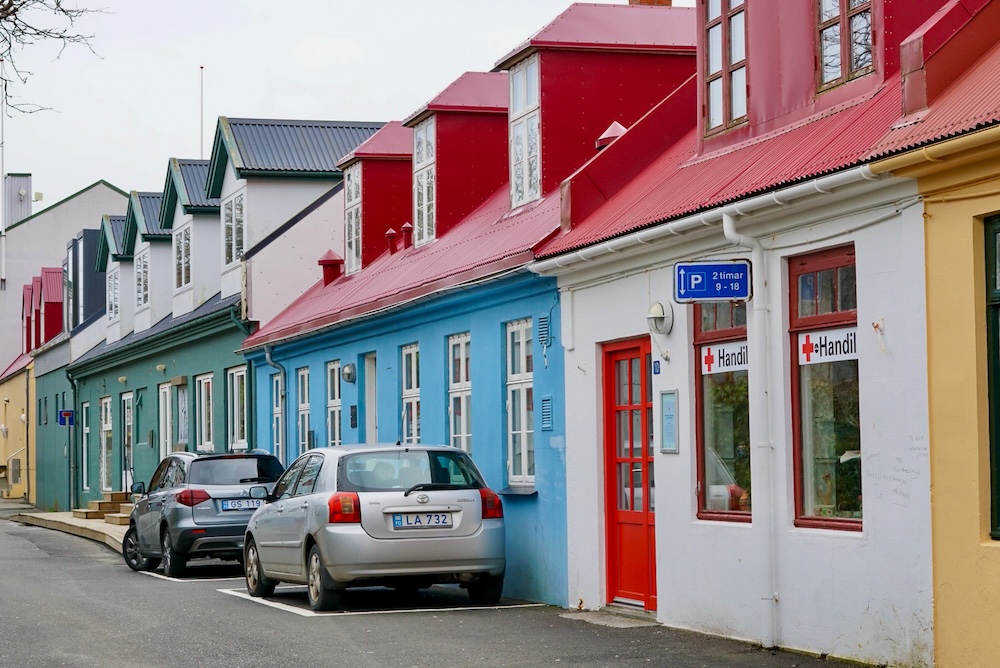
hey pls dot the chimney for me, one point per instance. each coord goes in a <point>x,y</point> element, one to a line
<point>333,266</point>
<point>407,235</point>
<point>390,237</point>
<point>659,3</point>
<point>614,131</point>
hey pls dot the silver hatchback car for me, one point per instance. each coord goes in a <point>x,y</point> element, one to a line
<point>400,516</point>
<point>196,506</point>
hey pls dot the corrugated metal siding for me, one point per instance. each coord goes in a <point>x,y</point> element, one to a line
<point>489,240</point>
<point>296,146</point>
<point>194,173</point>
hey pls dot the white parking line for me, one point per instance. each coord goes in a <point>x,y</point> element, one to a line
<point>170,579</point>
<point>309,613</point>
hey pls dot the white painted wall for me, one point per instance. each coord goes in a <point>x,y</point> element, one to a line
<point>862,595</point>
<point>287,266</point>
<point>85,338</point>
<point>161,283</point>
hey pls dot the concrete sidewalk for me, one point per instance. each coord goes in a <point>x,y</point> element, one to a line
<point>111,535</point>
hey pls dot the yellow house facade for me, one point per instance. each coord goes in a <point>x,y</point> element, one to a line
<point>17,478</point>
<point>960,182</point>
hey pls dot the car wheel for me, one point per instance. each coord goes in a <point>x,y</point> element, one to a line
<point>258,584</point>
<point>486,590</point>
<point>322,596</point>
<point>173,561</point>
<point>130,551</point>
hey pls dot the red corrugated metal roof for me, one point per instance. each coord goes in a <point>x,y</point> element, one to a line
<point>614,27</point>
<point>491,240</point>
<point>26,301</point>
<point>473,91</point>
<point>36,292</point>
<point>971,103</point>
<point>16,366</point>
<point>52,284</point>
<point>680,182</point>
<point>392,141</point>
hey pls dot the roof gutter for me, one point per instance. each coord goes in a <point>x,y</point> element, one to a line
<point>823,184</point>
<point>938,152</point>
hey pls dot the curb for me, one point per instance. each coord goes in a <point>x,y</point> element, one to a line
<point>90,529</point>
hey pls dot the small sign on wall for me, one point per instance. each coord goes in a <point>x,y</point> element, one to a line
<point>668,422</point>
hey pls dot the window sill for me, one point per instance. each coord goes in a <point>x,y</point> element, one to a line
<point>519,490</point>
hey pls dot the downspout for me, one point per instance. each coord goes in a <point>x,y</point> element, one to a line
<point>73,498</point>
<point>760,429</point>
<point>27,436</point>
<point>284,404</point>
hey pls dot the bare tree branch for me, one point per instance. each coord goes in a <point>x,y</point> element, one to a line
<point>28,22</point>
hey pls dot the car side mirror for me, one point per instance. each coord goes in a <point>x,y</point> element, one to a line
<point>259,492</point>
<point>138,488</point>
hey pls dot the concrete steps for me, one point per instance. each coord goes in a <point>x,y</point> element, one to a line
<point>112,504</point>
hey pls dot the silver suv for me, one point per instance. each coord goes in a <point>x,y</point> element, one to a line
<point>404,517</point>
<point>196,506</point>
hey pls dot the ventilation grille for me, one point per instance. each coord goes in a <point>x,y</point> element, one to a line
<point>547,413</point>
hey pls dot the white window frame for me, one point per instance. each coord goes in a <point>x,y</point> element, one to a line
<point>525,119</point>
<point>352,218</point>
<point>333,408</point>
<point>182,257</point>
<point>85,450</point>
<point>113,295</point>
<point>410,377</point>
<point>520,403</point>
<point>128,437</point>
<point>424,182</point>
<point>204,424</point>
<point>142,279</point>
<point>233,228</point>
<point>107,444</point>
<point>302,401</point>
<point>278,416</point>
<point>165,418</point>
<point>236,408</point>
<point>460,390</point>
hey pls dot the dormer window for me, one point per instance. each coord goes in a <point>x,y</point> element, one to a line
<point>352,218</point>
<point>142,279</point>
<point>726,66</point>
<point>182,257</point>
<point>845,38</point>
<point>525,171</point>
<point>424,150</point>
<point>112,294</point>
<point>232,223</point>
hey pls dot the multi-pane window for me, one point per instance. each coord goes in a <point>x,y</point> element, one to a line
<point>182,257</point>
<point>845,40</point>
<point>236,408</point>
<point>333,403</point>
<point>726,63</point>
<point>460,390</point>
<point>85,445</point>
<point>723,399</point>
<point>302,396</point>
<point>112,294</point>
<point>128,436</point>
<point>525,144</point>
<point>993,360</point>
<point>520,404</point>
<point>183,424</point>
<point>277,416</point>
<point>107,444</point>
<point>165,419</point>
<point>203,413</point>
<point>826,410</point>
<point>424,150</point>
<point>232,230</point>
<point>69,296</point>
<point>142,279</point>
<point>352,218</point>
<point>411,393</point>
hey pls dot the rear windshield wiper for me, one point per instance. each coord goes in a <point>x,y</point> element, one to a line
<point>432,486</point>
<point>261,479</point>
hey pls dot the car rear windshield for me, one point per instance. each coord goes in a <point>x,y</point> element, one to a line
<point>234,470</point>
<point>404,469</point>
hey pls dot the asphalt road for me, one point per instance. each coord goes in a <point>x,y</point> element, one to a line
<point>68,601</point>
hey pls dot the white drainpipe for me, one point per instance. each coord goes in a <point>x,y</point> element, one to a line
<point>760,424</point>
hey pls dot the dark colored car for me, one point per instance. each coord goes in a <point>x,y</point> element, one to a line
<point>196,505</point>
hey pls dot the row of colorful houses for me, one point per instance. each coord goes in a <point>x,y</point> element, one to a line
<point>529,266</point>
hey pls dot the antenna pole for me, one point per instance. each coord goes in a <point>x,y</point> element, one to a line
<point>3,180</point>
<point>201,118</point>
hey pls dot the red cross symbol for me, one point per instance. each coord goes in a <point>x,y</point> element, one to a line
<point>709,359</point>
<point>808,348</point>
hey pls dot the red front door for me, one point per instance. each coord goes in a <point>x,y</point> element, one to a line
<point>628,456</point>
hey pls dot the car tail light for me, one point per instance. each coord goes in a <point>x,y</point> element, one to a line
<point>492,505</point>
<point>192,497</point>
<point>345,508</point>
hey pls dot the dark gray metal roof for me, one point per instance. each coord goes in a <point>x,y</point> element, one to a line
<point>118,231</point>
<point>306,146</point>
<point>150,206</point>
<point>194,174</point>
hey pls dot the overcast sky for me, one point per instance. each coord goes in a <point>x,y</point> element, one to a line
<point>121,114</point>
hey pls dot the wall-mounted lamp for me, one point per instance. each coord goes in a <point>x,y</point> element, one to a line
<point>161,367</point>
<point>660,317</point>
<point>349,373</point>
<point>3,430</point>
<point>122,379</point>
<point>24,418</point>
